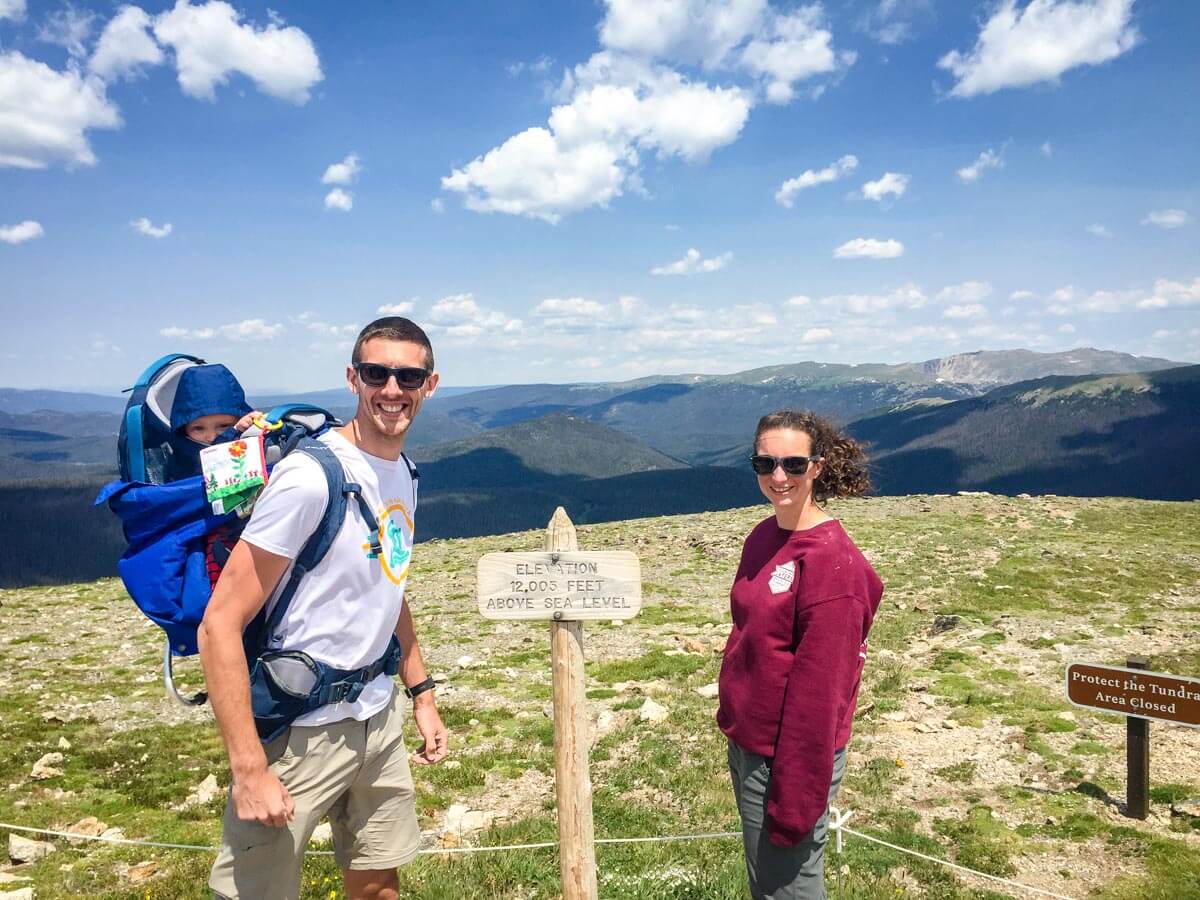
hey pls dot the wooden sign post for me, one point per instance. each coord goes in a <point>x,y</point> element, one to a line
<point>566,586</point>
<point>1139,696</point>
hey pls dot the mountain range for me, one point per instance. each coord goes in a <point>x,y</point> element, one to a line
<point>500,459</point>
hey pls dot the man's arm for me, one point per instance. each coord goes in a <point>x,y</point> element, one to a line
<point>412,671</point>
<point>247,580</point>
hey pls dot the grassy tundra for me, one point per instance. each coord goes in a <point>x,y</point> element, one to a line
<point>965,747</point>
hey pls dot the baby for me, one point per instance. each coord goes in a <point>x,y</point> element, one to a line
<point>208,402</point>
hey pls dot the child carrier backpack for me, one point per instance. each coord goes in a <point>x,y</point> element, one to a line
<point>177,546</point>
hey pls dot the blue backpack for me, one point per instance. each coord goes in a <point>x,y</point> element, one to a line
<point>177,546</point>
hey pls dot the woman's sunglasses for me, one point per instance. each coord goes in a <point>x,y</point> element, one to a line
<point>762,464</point>
<point>375,375</point>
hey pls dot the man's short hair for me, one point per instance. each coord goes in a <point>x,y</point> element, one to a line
<point>394,328</point>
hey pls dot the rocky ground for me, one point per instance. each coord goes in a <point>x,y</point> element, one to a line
<point>965,747</point>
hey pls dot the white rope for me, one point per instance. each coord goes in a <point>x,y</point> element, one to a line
<point>837,823</point>
<point>947,863</point>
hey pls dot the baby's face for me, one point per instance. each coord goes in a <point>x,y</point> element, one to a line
<point>205,429</point>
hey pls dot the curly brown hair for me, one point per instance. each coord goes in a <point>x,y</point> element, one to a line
<point>845,471</point>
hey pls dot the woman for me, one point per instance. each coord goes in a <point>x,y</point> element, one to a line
<point>802,603</point>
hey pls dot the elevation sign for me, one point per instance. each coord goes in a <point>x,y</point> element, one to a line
<point>1135,692</point>
<point>566,586</point>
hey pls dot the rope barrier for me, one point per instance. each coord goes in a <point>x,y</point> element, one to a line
<point>837,824</point>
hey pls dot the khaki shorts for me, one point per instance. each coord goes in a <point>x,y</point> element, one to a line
<point>357,774</point>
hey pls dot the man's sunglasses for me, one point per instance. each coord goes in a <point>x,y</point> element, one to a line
<point>762,464</point>
<point>375,375</point>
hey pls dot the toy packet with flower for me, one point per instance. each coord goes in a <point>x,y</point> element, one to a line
<point>234,473</point>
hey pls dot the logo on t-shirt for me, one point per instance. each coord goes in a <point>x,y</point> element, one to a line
<point>395,537</point>
<point>782,577</point>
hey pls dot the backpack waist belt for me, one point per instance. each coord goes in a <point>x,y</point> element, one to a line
<point>286,684</point>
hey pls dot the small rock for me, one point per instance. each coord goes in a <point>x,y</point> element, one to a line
<point>23,850</point>
<point>1189,807</point>
<point>653,712</point>
<point>113,834</point>
<point>322,834</point>
<point>695,645</point>
<point>142,871</point>
<point>477,820</point>
<point>896,715</point>
<point>928,700</point>
<point>709,691</point>
<point>91,827</point>
<point>454,817</point>
<point>605,723</point>
<point>473,722</point>
<point>440,677</point>
<point>10,878</point>
<point>44,767</point>
<point>452,764</point>
<point>1066,716</point>
<point>450,840</point>
<point>64,744</point>
<point>944,623</point>
<point>925,727</point>
<point>203,793</point>
<point>468,662</point>
<point>25,893</point>
<point>864,709</point>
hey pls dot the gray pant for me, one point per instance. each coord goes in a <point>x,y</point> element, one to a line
<point>778,873</point>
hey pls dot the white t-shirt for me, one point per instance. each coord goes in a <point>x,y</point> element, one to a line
<point>345,610</point>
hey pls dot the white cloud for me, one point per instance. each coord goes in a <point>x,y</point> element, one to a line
<point>1172,294</point>
<point>869,248</point>
<point>965,311</point>
<point>786,194</point>
<point>1047,149</point>
<point>437,205</point>
<point>245,331</point>
<point>896,21</point>
<point>44,114</point>
<point>459,316</point>
<point>1167,218</point>
<point>966,292</point>
<point>211,42</point>
<point>892,183</point>
<point>589,151</point>
<point>816,335</point>
<point>907,296</point>
<point>628,100</point>
<point>339,199</point>
<point>12,9</point>
<point>125,46</point>
<point>1098,230</point>
<point>148,228</point>
<point>750,36</point>
<point>251,330</point>
<point>344,172</point>
<point>791,47</point>
<point>68,27</point>
<point>573,314</point>
<point>1021,295</point>
<point>1017,48</point>
<point>988,159</point>
<point>693,263</point>
<point>798,301</point>
<point>194,334</point>
<point>21,232</point>
<point>403,308</point>
<point>324,329</point>
<point>1066,328</point>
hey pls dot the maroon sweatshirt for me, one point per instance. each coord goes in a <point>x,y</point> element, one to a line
<point>802,604</point>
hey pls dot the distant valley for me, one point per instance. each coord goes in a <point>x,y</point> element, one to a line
<point>1087,422</point>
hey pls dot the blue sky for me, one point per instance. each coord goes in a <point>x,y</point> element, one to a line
<point>593,190</point>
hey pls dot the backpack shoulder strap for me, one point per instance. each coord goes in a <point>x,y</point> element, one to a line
<point>319,542</point>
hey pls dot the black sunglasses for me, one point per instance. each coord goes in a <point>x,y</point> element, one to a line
<point>375,375</point>
<point>762,464</point>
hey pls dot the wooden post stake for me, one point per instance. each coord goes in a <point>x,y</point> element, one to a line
<point>573,781</point>
<point>1137,757</point>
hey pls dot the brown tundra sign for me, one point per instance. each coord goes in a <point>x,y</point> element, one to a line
<point>1134,692</point>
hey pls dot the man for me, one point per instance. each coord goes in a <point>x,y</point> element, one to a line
<point>345,760</point>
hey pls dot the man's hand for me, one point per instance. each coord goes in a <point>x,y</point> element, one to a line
<point>261,797</point>
<point>429,724</point>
